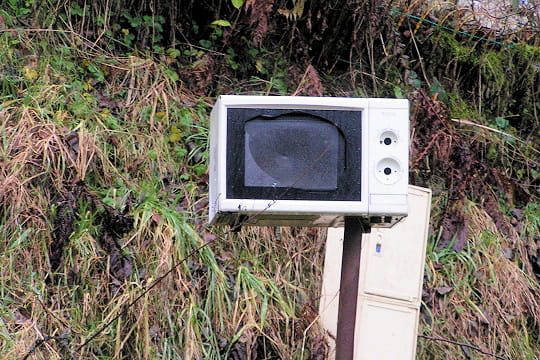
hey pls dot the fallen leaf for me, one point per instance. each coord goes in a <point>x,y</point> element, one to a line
<point>156,218</point>
<point>209,237</point>
<point>29,73</point>
<point>443,290</point>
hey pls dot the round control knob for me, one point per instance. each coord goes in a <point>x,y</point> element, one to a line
<point>388,171</point>
<point>388,138</point>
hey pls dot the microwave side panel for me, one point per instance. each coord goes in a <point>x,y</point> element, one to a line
<point>365,155</point>
<point>218,158</point>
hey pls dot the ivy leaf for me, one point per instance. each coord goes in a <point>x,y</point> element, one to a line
<point>172,74</point>
<point>437,88</point>
<point>237,3</point>
<point>199,169</point>
<point>398,93</point>
<point>501,122</point>
<point>174,53</point>
<point>221,23</point>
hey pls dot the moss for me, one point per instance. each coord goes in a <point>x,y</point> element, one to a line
<point>459,108</point>
<point>527,51</point>
<point>450,45</point>
<point>492,67</point>
<point>526,64</point>
<point>509,84</point>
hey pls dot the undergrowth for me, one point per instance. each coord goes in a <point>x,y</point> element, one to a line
<point>103,190</point>
<point>480,293</point>
<point>104,249</point>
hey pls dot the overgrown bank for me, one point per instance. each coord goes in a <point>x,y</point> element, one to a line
<point>103,116</point>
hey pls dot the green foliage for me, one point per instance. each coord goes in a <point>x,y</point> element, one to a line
<point>224,23</point>
<point>147,153</point>
<point>501,122</point>
<point>76,10</point>
<point>271,69</point>
<point>472,285</point>
<point>531,214</point>
<point>459,108</point>
<point>463,51</point>
<point>237,3</point>
<point>438,89</point>
<point>493,72</point>
<point>142,28</point>
<point>20,7</point>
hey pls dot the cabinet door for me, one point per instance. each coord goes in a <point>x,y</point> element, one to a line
<point>392,262</point>
<point>385,331</point>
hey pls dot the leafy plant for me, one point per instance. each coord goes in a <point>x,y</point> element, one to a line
<point>237,3</point>
<point>20,7</point>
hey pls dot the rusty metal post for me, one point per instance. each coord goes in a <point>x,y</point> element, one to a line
<point>348,288</point>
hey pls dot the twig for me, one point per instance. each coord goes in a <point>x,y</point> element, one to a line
<point>462,344</point>
<point>471,123</point>
<point>61,339</point>
<point>143,293</point>
<point>420,57</point>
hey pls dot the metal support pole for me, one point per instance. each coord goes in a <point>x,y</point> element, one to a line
<point>348,290</point>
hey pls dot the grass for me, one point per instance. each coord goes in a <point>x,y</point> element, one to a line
<point>480,296</point>
<point>206,307</point>
<point>106,125</point>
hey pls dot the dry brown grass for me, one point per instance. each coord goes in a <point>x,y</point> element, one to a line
<point>482,296</point>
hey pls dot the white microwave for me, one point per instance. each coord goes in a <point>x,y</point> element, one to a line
<point>308,161</point>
